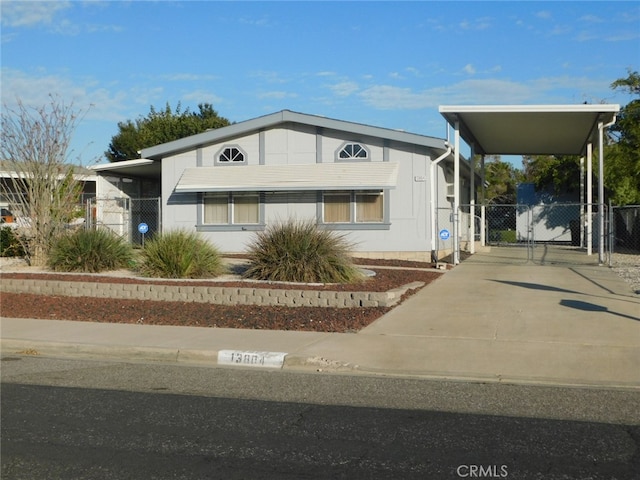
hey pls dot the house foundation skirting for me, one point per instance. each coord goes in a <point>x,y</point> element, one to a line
<point>210,294</point>
<point>418,256</point>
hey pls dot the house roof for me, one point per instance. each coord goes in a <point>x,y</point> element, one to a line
<point>141,167</point>
<point>15,170</point>
<point>287,116</point>
<point>271,178</point>
<point>529,129</point>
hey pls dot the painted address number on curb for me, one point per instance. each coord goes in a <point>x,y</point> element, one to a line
<point>251,359</point>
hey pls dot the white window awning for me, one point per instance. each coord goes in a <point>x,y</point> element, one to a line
<point>268,178</point>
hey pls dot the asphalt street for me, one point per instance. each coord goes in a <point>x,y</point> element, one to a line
<point>91,419</point>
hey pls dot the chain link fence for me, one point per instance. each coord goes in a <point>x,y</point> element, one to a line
<point>558,223</point>
<point>123,216</point>
<point>565,225</point>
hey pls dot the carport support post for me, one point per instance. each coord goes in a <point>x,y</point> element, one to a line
<point>589,198</point>
<point>581,220</point>
<point>472,208</point>
<point>456,194</point>
<point>482,200</point>
<point>601,192</point>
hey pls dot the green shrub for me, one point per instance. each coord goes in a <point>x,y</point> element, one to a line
<point>180,254</point>
<point>89,251</point>
<point>10,245</point>
<point>298,251</point>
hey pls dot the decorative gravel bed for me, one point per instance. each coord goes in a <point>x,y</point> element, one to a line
<point>627,266</point>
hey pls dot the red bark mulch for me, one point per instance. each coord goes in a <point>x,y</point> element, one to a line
<point>149,312</point>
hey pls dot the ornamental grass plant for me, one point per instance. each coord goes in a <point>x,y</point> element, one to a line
<point>180,254</point>
<point>89,251</point>
<point>298,251</point>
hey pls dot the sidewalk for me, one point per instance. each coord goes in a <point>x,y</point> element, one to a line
<point>575,325</point>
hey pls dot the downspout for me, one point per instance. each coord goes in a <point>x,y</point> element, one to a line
<point>432,201</point>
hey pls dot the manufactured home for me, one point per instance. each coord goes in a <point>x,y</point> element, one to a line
<point>382,188</point>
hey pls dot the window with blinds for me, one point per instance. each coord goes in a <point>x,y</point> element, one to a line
<point>353,207</point>
<point>231,208</point>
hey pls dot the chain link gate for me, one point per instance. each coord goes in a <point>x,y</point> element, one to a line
<point>517,233</point>
<point>123,215</point>
<point>625,228</point>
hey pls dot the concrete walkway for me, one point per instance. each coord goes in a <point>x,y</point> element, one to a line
<point>570,325</point>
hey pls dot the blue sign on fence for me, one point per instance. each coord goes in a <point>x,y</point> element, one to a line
<point>444,234</point>
<point>143,228</point>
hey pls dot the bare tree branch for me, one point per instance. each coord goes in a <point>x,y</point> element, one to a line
<point>42,190</point>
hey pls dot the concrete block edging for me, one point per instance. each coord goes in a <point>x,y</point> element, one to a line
<point>290,297</point>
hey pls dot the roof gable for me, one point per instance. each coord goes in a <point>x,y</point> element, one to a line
<point>281,118</point>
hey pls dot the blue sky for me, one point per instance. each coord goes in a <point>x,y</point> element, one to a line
<point>388,64</point>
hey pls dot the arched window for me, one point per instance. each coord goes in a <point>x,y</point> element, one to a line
<point>353,151</point>
<point>230,155</point>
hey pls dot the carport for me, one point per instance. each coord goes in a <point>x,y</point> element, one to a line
<point>530,130</point>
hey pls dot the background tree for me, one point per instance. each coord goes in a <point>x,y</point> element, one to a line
<point>503,179</point>
<point>556,174</point>
<point>622,155</point>
<point>42,191</point>
<point>161,126</point>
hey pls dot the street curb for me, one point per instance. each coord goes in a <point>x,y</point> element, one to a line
<point>153,354</point>
<point>291,362</point>
<point>36,348</point>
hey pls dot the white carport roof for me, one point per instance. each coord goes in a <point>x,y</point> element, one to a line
<point>529,129</point>
<point>532,130</point>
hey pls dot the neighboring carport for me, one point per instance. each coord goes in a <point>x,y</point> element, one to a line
<point>531,130</point>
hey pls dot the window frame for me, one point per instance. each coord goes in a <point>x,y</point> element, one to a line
<point>353,224</point>
<point>231,224</point>
<point>224,149</point>
<point>351,157</point>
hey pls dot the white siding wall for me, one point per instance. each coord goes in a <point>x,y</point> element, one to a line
<point>107,187</point>
<point>409,201</point>
<point>178,211</point>
<point>288,146</point>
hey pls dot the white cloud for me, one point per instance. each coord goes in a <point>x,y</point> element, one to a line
<point>482,91</point>
<point>202,96</point>
<point>544,14</point>
<point>35,90</point>
<point>263,21</point>
<point>278,95</point>
<point>29,14</point>
<point>560,30</point>
<point>344,89</point>
<point>471,69</point>
<point>591,19</point>
<point>481,23</point>
<point>188,77</point>
<point>268,76</point>
<point>387,97</point>
<point>34,13</point>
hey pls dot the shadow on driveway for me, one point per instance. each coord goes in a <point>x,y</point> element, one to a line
<point>537,286</point>
<point>592,307</point>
